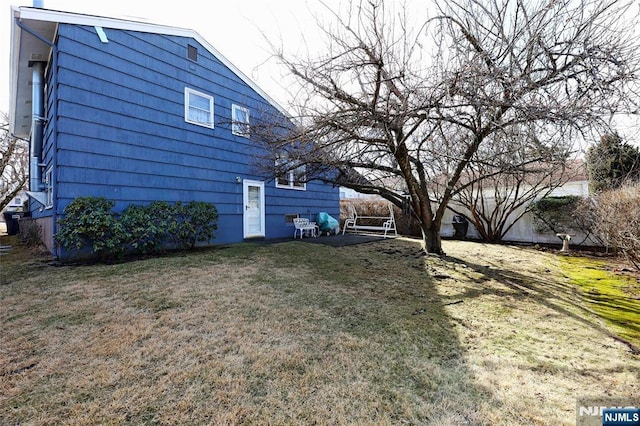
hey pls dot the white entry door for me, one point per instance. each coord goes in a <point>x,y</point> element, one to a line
<point>253,196</point>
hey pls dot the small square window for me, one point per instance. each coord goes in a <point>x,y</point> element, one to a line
<point>198,108</point>
<point>239,121</point>
<point>288,218</point>
<point>192,53</point>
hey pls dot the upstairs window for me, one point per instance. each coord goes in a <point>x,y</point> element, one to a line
<point>239,121</point>
<point>294,177</point>
<point>198,108</point>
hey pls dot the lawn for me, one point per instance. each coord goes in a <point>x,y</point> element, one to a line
<point>299,333</point>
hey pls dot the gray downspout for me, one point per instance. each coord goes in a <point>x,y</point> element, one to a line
<point>54,124</point>
<point>37,127</point>
<point>54,135</point>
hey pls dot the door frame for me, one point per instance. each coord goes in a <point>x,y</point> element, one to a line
<point>245,204</point>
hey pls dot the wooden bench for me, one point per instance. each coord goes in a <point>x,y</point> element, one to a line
<point>354,222</point>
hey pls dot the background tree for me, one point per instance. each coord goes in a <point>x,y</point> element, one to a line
<point>14,158</point>
<point>399,96</point>
<point>611,162</point>
<point>506,175</point>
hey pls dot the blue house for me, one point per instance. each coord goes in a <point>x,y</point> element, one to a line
<point>136,112</point>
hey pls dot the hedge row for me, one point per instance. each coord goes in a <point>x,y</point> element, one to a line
<point>89,222</point>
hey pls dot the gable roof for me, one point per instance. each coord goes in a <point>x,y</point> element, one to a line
<point>25,48</point>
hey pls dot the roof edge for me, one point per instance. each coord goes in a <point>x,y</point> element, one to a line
<point>31,13</point>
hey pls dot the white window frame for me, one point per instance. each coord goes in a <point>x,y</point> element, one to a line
<point>187,107</point>
<point>48,181</point>
<point>239,127</point>
<point>290,178</point>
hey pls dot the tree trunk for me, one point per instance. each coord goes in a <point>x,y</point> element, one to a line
<point>431,239</point>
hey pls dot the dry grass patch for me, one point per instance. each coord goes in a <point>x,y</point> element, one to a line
<point>530,335</point>
<point>298,333</point>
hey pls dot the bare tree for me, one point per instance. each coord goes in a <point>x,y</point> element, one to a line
<point>399,97</point>
<point>14,157</point>
<point>617,220</point>
<point>505,176</point>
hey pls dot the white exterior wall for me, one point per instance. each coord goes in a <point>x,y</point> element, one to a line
<point>17,202</point>
<point>348,193</point>
<point>524,230</point>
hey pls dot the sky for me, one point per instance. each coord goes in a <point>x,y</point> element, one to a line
<point>239,30</point>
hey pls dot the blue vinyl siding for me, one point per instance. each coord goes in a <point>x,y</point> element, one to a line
<point>121,131</point>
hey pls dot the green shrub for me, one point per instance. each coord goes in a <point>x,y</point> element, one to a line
<point>191,223</point>
<point>200,220</point>
<point>145,232</point>
<point>555,214</point>
<point>89,222</point>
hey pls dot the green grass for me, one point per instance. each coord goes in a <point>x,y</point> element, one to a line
<point>298,333</point>
<point>613,297</point>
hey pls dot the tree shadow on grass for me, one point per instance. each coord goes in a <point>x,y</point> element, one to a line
<point>386,322</point>
<point>550,291</point>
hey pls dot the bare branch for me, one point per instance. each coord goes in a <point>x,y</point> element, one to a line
<point>13,164</point>
<point>409,105</point>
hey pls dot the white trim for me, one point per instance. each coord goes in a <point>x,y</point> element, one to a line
<point>187,92</point>
<point>291,180</point>
<point>102,35</point>
<point>14,71</point>
<point>63,17</point>
<point>40,197</point>
<point>48,180</point>
<point>245,206</point>
<point>245,133</point>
